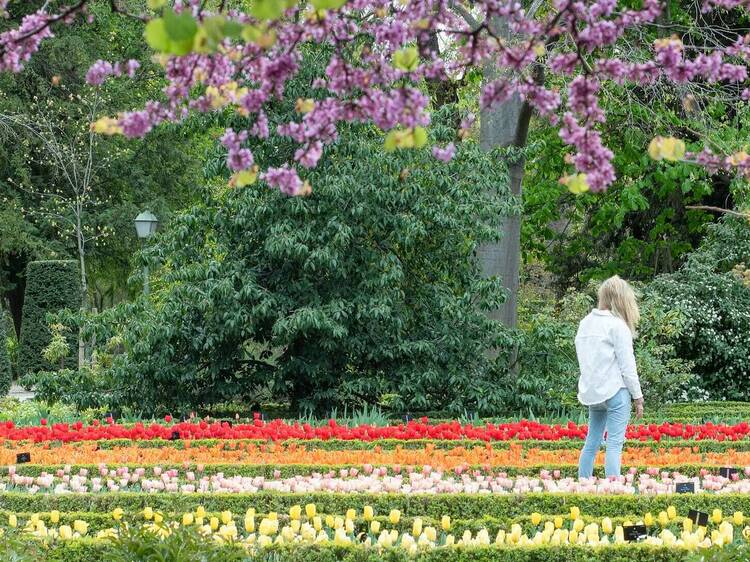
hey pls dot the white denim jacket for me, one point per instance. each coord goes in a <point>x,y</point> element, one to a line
<point>604,346</point>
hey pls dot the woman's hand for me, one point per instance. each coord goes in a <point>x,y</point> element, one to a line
<point>638,408</point>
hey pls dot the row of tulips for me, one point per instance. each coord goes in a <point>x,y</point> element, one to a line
<point>303,526</point>
<point>278,430</point>
<point>372,480</point>
<point>446,459</point>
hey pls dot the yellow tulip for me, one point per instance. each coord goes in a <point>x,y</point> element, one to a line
<point>200,512</point>
<point>558,522</point>
<point>249,524</point>
<point>578,525</point>
<point>158,517</point>
<point>310,510</point>
<point>431,533</point>
<point>607,525</point>
<point>416,528</point>
<point>148,513</point>
<point>54,516</point>
<point>65,532</point>
<point>648,519</point>
<point>536,518</point>
<point>716,516</point>
<point>575,512</point>
<point>738,518</point>
<point>330,521</point>
<point>394,517</point>
<point>116,515</point>
<point>671,512</point>
<point>80,527</point>
<point>213,523</point>
<point>368,513</point>
<point>273,516</point>
<point>12,520</point>
<point>375,527</point>
<point>295,512</point>
<point>317,523</point>
<point>187,519</point>
<point>445,523</point>
<point>663,518</point>
<point>351,514</point>
<point>349,525</point>
<point>687,525</point>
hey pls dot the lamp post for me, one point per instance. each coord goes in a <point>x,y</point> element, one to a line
<point>145,226</point>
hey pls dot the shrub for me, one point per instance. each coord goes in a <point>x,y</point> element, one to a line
<point>368,287</point>
<point>716,306</point>
<point>50,286</point>
<point>6,373</point>
<point>549,366</point>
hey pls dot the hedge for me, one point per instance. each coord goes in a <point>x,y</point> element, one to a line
<point>457,506</point>
<point>50,286</point>
<point>291,470</point>
<point>6,373</point>
<point>90,550</point>
<point>704,445</point>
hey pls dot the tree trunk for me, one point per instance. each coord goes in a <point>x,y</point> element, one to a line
<point>506,125</point>
<point>84,284</point>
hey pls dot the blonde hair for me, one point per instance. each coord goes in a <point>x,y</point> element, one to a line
<point>616,295</point>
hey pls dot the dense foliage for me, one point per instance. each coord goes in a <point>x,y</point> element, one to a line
<point>716,306</point>
<point>6,373</point>
<point>51,285</point>
<point>365,291</point>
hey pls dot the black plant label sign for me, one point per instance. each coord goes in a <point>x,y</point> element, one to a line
<point>727,471</point>
<point>175,436</point>
<point>685,487</point>
<point>698,517</point>
<point>23,458</point>
<point>633,533</point>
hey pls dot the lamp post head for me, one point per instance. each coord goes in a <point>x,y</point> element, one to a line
<point>145,224</point>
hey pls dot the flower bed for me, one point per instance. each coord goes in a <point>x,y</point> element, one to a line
<point>279,430</point>
<point>453,486</point>
<point>283,454</point>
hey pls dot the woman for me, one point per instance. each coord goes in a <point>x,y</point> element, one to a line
<point>608,381</point>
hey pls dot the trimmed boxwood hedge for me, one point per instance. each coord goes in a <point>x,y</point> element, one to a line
<point>457,506</point>
<point>51,286</point>
<point>704,445</point>
<point>6,373</point>
<point>290,470</point>
<point>88,550</point>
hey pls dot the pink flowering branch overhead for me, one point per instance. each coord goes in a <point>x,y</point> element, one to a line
<point>243,61</point>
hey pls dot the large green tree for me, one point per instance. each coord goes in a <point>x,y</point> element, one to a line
<point>159,173</point>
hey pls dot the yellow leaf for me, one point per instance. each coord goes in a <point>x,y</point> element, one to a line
<point>304,105</point>
<point>106,126</point>
<point>540,50</point>
<point>244,177</point>
<point>576,183</point>
<point>654,148</point>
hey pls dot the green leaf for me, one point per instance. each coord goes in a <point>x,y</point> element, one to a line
<point>180,27</point>
<point>156,35</point>
<point>268,9</point>
<point>406,59</point>
<point>328,4</point>
<point>156,4</point>
<point>233,29</point>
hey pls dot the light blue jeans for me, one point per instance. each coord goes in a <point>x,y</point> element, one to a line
<point>612,415</point>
